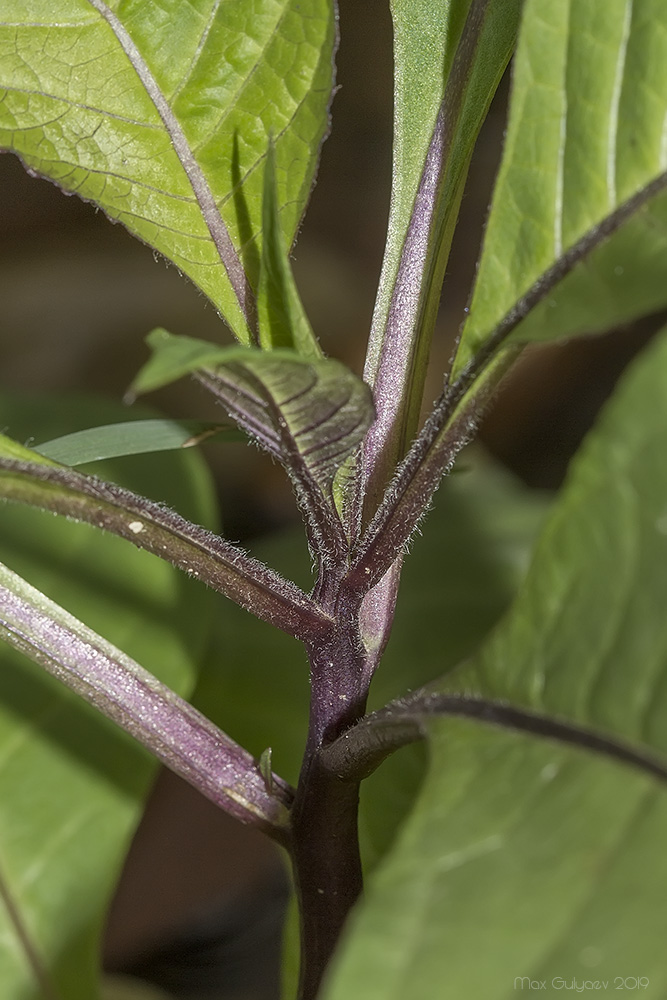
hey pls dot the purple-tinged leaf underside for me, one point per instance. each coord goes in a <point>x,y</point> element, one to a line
<point>311,415</point>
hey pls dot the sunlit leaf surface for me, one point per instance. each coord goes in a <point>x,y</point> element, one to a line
<point>160,113</point>
<point>586,133</point>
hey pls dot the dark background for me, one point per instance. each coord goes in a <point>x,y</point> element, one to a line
<point>78,296</point>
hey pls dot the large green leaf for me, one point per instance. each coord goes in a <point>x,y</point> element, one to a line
<point>587,636</point>
<point>71,785</point>
<point>161,112</point>
<point>521,859</point>
<point>548,857</point>
<point>586,133</point>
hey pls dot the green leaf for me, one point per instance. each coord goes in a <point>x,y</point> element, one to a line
<point>521,859</point>
<point>71,784</point>
<point>282,318</point>
<point>172,358</point>
<point>161,114</point>
<point>586,639</point>
<point>585,135</point>
<point>550,855</point>
<point>131,437</point>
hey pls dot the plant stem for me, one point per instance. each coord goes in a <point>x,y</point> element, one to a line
<point>325,841</point>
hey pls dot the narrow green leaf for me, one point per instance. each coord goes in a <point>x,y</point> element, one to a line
<point>161,113</point>
<point>586,133</point>
<point>132,437</point>
<point>282,318</point>
<point>71,784</point>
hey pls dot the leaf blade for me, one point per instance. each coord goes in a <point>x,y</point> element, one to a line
<point>164,134</point>
<point>502,819</point>
<point>575,151</point>
<point>134,437</point>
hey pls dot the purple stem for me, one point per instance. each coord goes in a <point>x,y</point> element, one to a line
<point>362,748</point>
<point>198,552</point>
<point>398,377</point>
<point>175,732</point>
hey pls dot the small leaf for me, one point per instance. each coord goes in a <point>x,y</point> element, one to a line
<point>172,358</point>
<point>585,137</point>
<point>282,318</point>
<point>311,415</point>
<point>132,437</point>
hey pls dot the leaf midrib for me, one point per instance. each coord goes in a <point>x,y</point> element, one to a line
<point>195,175</point>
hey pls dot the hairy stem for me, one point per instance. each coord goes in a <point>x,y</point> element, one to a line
<point>361,749</point>
<point>200,553</point>
<point>399,342</point>
<point>175,732</point>
<point>325,842</point>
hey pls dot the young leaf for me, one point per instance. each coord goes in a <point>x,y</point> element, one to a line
<point>160,113</point>
<point>584,158</point>
<point>72,785</point>
<point>282,318</point>
<point>449,59</point>
<point>132,437</point>
<point>311,415</point>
